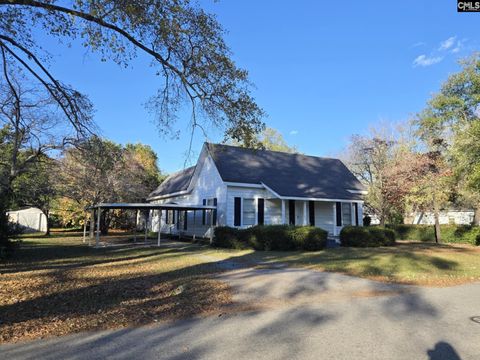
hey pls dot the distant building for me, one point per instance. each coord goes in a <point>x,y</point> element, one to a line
<point>29,219</point>
<point>456,217</point>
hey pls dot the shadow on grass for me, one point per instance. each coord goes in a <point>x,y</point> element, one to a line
<point>187,291</point>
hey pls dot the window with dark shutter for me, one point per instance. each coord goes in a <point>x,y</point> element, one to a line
<point>311,212</point>
<point>338,209</point>
<point>356,213</point>
<point>215,212</point>
<point>261,211</point>
<point>204,212</point>
<point>185,214</point>
<point>291,212</point>
<point>237,212</point>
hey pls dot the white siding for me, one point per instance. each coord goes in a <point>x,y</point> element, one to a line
<point>246,193</point>
<point>208,184</point>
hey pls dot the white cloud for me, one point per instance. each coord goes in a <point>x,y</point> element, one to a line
<point>458,46</point>
<point>420,43</point>
<point>447,44</point>
<point>294,132</point>
<point>424,60</point>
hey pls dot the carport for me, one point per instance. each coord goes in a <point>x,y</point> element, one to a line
<point>95,210</point>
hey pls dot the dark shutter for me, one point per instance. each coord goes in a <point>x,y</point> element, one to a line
<point>166,216</point>
<point>356,213</point>
<point>339,213</point>
<point>261,211</point>
<point>185,220</point>
<point>237,220</point>
<point>215,212</point>
<point>178,219</point>
<point>291,212</point>
<point>311,212</point>
<point>203,211</point>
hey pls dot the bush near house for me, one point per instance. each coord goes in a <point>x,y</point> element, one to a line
<point>465,234</point>
<point>371,236</point>
<point>271,237</point>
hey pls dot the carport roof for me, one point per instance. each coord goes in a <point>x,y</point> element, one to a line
<point>151,206</point>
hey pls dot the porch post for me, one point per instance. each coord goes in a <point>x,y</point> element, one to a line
<point>304,213</point>
<point>211,227</point>
<point>334,219</point>
<point>97,238</point>
<point>352,213</point>
<point>283,212</point>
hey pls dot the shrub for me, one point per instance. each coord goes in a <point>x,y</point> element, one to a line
<point>465,234</point>
<point>309,238</point>
<point>367,236</point>
<point>367,220</point>
<point>228,237</point>
<point>271,237</point>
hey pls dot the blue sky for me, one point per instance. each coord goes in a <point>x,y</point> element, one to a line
<point>323,70</point>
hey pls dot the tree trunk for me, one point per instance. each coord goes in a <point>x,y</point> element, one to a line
<point>47,215</point>
<point>105,220</point>
<point>476,216</point>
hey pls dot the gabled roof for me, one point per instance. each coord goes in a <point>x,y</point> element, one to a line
<point>174,183</point>
<point>289,175</point>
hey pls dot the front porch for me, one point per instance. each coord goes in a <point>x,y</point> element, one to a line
<point>331,216</point>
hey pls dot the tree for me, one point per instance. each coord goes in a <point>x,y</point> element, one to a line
<point>101,171</point>
<point>269,139</point>
<point>452,116</point>
<point>31,124</point>
<point>36,187</point>
<point>369,157</point>
<point>185,45</point>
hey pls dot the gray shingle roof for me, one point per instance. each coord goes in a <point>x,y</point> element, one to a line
<point>176,182</point>
<point>289,175</point>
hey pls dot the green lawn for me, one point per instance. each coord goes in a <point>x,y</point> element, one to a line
<point>58,285</point>
<point>408,262</point>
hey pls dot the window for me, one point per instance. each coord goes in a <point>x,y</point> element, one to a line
<point>346,214</point>
<point>248,212</point>
<point>207,214</point>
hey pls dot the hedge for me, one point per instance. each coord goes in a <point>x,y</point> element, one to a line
<point>271,237</point>
<point>465,234</point>
<point>366,236</point>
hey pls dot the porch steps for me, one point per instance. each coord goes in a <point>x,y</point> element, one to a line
<point>333,242</point>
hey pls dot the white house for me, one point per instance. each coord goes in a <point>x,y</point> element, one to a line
<point>251,187</point>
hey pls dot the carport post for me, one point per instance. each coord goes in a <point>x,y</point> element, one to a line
<point>146,226</point>
<point>159,226</point>
<point>211,227</point>
<point>97,238</point>
<point>135,228</point>
<point>194,223</point>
